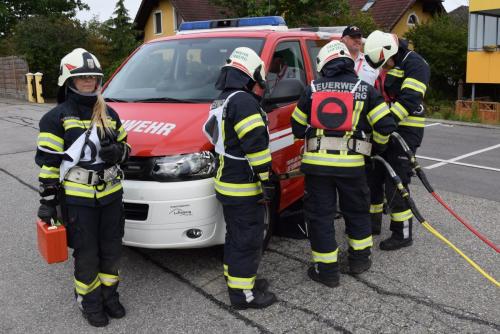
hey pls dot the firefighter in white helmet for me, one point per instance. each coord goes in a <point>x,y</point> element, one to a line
<point>334,116</point>
<point>237,126</point>
<point>80,146</point>
<point>405,84</point>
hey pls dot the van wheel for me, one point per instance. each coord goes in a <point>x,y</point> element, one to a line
<point>271,217</point>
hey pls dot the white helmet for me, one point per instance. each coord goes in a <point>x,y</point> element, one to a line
<point>331,51</point>
<point>379,47</point>
<point>247,61</point>
<point>78,62</point>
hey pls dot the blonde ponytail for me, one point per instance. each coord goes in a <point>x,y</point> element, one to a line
<point>100,117</point>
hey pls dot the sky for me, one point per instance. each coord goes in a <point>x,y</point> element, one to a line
<point>104,8</point>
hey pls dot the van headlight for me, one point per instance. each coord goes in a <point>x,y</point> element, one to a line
<point>192,165</point>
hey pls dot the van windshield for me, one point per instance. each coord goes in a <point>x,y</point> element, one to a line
<point>175,70</point>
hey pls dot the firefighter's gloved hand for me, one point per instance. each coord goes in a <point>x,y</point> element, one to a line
<point>112,153</point>
<point>268,190</point>
<point>377,148</point>
<point>47,210</point>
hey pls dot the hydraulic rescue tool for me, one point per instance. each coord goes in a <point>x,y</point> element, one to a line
<point>406,196</point>
<point>421,175</point>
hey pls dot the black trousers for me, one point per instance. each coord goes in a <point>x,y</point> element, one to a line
<point>95,234</point>
<point>244,238</point>
<point>320,201</point>
<point>381,185</point>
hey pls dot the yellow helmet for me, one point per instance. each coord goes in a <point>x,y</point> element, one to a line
<point>379,47</point>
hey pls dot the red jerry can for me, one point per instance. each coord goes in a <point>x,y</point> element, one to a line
<point>52,242</point>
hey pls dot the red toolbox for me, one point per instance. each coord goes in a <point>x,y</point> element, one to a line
<point>52,242</point>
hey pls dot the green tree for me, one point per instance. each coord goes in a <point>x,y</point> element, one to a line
<point>443,43</point>
<point>43,41</point>
<point>300,13</point>
<point>13,11</point>
<point>122,37</point>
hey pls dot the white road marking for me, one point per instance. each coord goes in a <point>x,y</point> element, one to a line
<point>432,124</point>
<point>445,162</point>
<point>458,163</point>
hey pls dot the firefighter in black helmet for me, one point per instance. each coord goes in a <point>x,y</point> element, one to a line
<point>334,115</point>
<point>406,81</point>
<point>80,146</point>
<point>237,127</point>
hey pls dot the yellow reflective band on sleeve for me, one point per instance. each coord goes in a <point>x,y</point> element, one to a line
<point>121,133</point>
<point>361,244</point>
<point>414,84</point>
<point>334,160</point>
<point>84,289</point>
<point>330,257</point>
<point>358,108</point>
<point>49,140</point>
<point>47,172</point>
<point>226,270</point>
<point>377,113</point>
<point>259,158</point>
<point>396,73</point>
<point>413,121</point>
<point>108,279</point>
<point>380,138</point>
<point>73,123</point>
<point>400,111</point>
<point>401,216</point>
<point>377,208</point>
<point>248,124</point>
<point>240,282</point>
<point>299,116</point>
<point>237,189</point>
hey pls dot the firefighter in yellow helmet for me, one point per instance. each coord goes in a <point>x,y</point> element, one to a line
<point>334,116</point>
<point>405,85</point>
<point>80,146</point>
<point>237,126</point>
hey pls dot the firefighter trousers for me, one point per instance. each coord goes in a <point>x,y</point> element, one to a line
<point>320,201</point>
<point>95,234</point>
<point>243,246</point>
<point>381,185</point>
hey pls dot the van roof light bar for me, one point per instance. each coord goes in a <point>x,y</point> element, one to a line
<point>247,22</point>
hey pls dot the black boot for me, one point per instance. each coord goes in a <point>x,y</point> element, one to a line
<point>258,299</point>
<point>115,309</point>
<point>96,319</point>
<point>261,284</point>
<point>394,243</point>
<point>376,219</point>
<point>332,281</point>
<point>358,266</point>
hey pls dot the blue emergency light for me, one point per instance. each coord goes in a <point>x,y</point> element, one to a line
<point>233,23</point>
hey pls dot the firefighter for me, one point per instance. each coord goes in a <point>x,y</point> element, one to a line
<point>237,127</point>
<point>80,146</point>
<point>334,115</point>
<point>406,80</point>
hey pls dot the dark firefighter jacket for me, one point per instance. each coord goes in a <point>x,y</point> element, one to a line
<point>245,135</point>
<point>371,115</point>
<point>406,85</point>
<point>59,128</point>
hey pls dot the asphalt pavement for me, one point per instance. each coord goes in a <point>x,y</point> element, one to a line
<point>426,288</point>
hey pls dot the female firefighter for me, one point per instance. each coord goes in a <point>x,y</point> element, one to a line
<point>79,149</point>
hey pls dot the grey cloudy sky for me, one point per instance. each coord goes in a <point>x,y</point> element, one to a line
<point>104,8</point>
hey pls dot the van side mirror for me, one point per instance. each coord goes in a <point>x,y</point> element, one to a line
<point>287,90</point>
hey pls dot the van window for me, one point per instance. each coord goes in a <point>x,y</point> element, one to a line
<point>183,69</point>
<point>313,47</point>
<point>287,64</point>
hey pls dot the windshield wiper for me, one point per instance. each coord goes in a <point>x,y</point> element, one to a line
<point>166,99</point>
<point>111,99</point>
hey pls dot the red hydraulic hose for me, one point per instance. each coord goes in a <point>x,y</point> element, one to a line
<point>428,186</point>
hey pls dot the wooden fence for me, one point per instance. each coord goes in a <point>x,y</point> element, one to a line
<point>487,112</point>
<point>13,77</point>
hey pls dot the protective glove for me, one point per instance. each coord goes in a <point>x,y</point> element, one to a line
<point>47,212</point>
<point>377,148</point>
<point>268,191</point>
<point>111,153</point>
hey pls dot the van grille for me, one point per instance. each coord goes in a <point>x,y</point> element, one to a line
<point>136,211</point>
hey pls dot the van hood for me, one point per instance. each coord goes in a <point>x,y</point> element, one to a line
<point>159,129</point>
